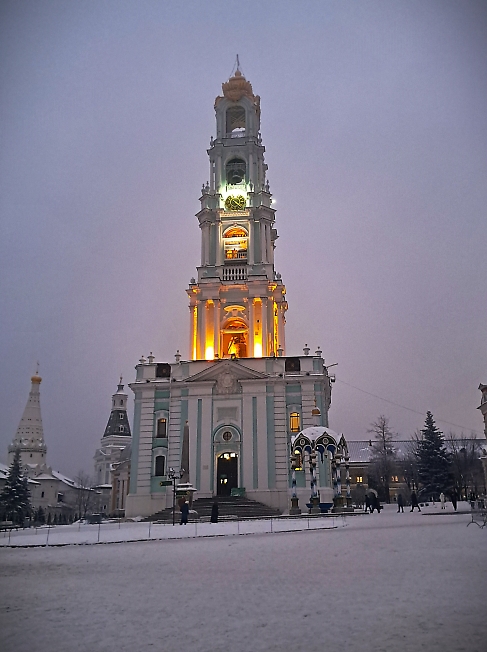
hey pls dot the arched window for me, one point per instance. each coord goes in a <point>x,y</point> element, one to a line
<point>235,121</point>
<point>160,465</point>
<point>294,422</point>
<point>235,241</point>
<point>162,427</point>
<point>235,171</point>
<point>235,337</point>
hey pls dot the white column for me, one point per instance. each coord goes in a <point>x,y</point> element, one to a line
<point>218,172</point>
<point>281,333</point>
<point>250,304</point>
<point>216,327</point>
<point>219,245</point>
<point>250,245</point>
<point>263,242</point>
<point>265,339</point>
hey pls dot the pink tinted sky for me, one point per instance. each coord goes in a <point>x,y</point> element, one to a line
<point>373,116</point>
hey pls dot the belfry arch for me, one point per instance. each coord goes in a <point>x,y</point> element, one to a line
<point>235,336</point>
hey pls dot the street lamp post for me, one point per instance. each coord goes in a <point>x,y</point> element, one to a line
<point>172,475</point>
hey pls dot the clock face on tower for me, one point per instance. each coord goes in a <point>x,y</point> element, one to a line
<point>235,203</point>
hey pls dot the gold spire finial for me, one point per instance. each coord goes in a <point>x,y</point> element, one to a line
<point>36,378</point>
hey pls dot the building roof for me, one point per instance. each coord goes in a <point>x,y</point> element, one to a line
<point>4,473</point>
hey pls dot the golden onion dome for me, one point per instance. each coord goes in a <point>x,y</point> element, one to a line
<point>36,379</point>
<point>236,87</point>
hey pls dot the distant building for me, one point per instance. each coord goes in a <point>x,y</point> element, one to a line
<point>54,492</point>
<point>116,438</point>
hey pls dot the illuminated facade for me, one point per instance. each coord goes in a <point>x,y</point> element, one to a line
<point>238,393</point>
<point>238,303</point>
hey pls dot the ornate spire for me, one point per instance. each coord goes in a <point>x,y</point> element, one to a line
<point>118,423</point>
<point>29,438</point>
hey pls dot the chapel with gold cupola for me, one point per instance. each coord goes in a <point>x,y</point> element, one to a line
<point>238,302</point>
<point>224,417</point>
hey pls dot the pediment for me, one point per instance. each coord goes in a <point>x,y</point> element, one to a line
<point>227,367</point>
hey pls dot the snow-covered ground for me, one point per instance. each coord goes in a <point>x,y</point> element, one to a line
<point>405,582</point>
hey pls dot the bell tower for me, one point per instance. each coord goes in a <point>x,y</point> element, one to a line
<point>238,302</point>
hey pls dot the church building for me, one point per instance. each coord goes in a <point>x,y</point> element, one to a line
<point>238,393</point>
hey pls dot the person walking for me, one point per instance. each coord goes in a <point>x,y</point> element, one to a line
<point>367,503</point>
<point>400,504</point>
<point>374,504</point>
<point>442,500</point>
<point>214,512</point>
<point>454,499</point>
<point>184,512</point>
<point>414,501</point>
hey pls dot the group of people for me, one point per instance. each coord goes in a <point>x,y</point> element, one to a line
<point>184,509</point>
<point>372,502</point>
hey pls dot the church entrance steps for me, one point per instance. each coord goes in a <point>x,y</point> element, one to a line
<point>229,507</point>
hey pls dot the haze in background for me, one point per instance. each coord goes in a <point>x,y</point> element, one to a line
<point>374,121</point>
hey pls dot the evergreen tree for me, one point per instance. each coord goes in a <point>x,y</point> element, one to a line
<point>15,497</point>
<point>49,518</point>
<point>55,519</point>
<point>433,459</point>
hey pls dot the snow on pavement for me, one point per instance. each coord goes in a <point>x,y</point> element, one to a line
<point>405,582</point>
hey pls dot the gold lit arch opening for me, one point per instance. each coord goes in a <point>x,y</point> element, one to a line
<point>235,338</point>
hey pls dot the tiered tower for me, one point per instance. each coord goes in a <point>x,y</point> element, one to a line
<point>29,438</point>
<point>238,303</point>
<point>116,437</point>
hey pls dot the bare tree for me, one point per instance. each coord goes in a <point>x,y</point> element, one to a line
<point>85,494</point>
<point>466,466</point>
<point>383,456</point>
<point>409,463</point>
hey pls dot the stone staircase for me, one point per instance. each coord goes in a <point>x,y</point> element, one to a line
<point>229,507</point>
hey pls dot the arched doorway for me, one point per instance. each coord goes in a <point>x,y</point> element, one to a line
<point>226,473</point>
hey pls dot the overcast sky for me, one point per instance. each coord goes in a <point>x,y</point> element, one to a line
<point>375,125</point>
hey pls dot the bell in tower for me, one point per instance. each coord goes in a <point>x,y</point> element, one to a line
<point>238,302</point>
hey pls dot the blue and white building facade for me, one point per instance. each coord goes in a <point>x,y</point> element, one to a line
<point>238,392</point>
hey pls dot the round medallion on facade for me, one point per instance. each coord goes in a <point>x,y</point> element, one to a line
<point>227,435</point>
<point>235,203</point>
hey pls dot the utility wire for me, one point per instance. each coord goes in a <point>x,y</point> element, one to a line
<point>381,398</point>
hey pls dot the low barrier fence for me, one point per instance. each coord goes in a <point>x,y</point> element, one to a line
<point>119,532</point>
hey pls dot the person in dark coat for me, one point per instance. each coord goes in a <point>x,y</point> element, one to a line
<point>214,512</point>
<point>414,501</point>
<point>454,499</point>
<point>400,504</point>
<point>184,513</point>
<point>367,503</point>
<point>374,504</point>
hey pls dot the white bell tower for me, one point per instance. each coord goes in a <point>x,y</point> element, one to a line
<point>238,302</point>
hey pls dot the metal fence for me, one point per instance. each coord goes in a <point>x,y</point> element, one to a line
<point>118,532</point>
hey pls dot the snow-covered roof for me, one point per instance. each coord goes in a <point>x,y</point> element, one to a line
<point>4,473</point>
<point>313,432</point>
<point>66,480</point>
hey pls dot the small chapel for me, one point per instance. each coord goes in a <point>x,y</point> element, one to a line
<point>239,395</point>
